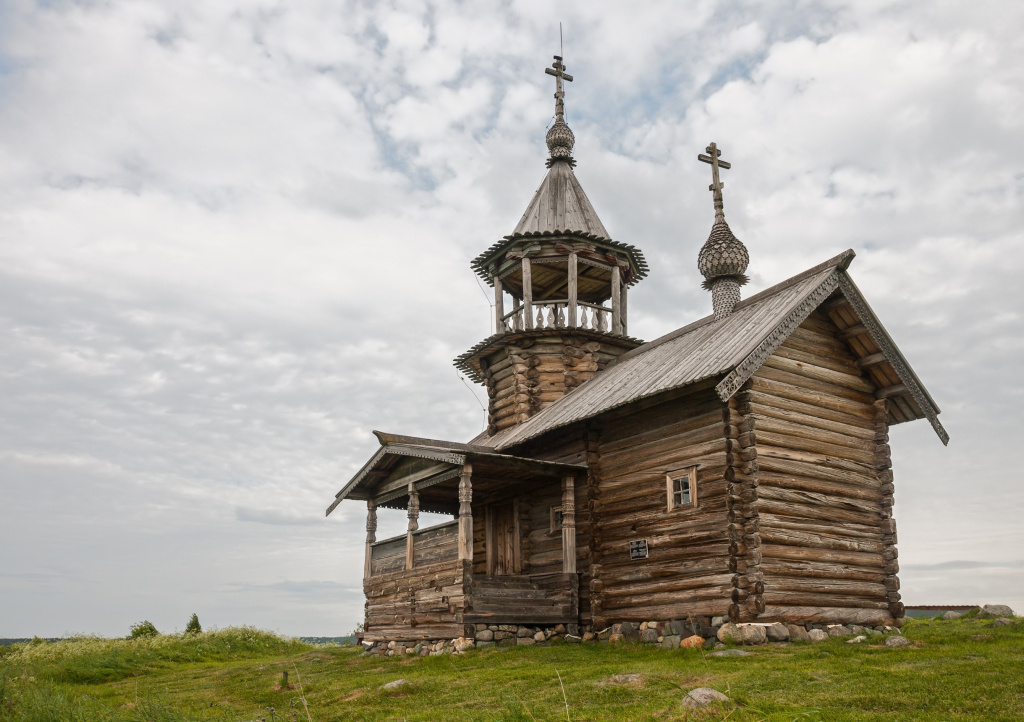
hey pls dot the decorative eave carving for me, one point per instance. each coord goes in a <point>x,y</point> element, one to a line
<point>892,354</point>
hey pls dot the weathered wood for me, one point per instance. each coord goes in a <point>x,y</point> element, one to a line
<point>466,513</point>
<point>871,360</point>
<point>371,536</point>
<point>527,293</point>
<point>825,615</point>
<point>572,291</point>
<point>894,390</point>
<point>499,306</point>
<point>852,331</point>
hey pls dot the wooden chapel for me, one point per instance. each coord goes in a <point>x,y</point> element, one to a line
<point>736,467</point>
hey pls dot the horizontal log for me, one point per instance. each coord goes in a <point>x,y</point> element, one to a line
<point>807,370</point>
<point>857,330</point>
<point>782,551</point>
<point>788,386</point>
<point>774,535</point>
<point>845,587</point>
<point>820,570</point>
<point>777,598</point>
<point>871,360</point>
<point>825,615</point>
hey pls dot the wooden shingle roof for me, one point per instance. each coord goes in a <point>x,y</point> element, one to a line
<point>732,348</point>
<point>560,206</point>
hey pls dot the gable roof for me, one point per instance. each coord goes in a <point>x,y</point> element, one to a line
<point>733,348</point>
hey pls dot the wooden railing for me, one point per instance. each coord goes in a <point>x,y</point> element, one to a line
<point>555,314</point>
<point>430,546</point>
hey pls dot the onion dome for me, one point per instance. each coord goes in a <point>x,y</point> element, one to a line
<point>560,140</point>
<point>723,255</point>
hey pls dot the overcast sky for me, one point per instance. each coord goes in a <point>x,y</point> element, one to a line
<point>235,237</point>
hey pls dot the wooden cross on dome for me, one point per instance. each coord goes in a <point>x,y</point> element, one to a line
<point>716,184</point>
<point>558,70</point>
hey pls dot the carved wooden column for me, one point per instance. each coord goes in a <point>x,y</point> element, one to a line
<point>371,534</point>
<point>466,513</point>
<point>527,293</point>
<point>569,525</point>
<point>571,320</point>
<point>616,300</point>
<point>622,309</point>
<point>499,307</point>
<point>414,524</point>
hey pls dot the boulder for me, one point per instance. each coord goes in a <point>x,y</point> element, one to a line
<point>630,630</point>
<point>797,633</point>
<point>589,636</point>
<point>524,632</point>
<point>702,697</point>
<point>753,634</point>
<point>896,641</point>
<point>484,635</point>
<point>777,632</point>
<point>694,642</point>
<point>539,637</point>
<point>718,621</point>
<point>479,627</point>
<point>498,636</point>
<point>559,629</point>
<point>838,630</point>
<point>397,684</point>
<point>1002,622</point>
<point>994,611</point>
<point>951,615</point>
<point>817,635</point>
<point>649,636</point>
<point>729,632</point>
<point>672,641</point>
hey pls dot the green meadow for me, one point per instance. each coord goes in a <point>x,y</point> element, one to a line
<point>954,670</point>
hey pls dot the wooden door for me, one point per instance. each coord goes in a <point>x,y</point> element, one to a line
<point>502,540</point>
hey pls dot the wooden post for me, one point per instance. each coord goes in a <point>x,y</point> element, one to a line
<point>371,534</point>
<point>572,291</point>
<point>527,294</point>
<point>466,513</point>
<point>616,300</point>
<point>622,306</point>
<point>499,307</point>
<point>516,320</point>
<point>569,525</point>
<point>414,524</point>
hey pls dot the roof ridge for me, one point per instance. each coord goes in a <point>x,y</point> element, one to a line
<point>841,261</point>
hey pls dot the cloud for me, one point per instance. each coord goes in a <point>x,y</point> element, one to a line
<point>234,238</point>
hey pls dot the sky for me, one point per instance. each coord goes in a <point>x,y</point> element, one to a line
<point>235,238</point>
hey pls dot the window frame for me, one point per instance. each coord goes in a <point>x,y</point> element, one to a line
<point>555,525</point>
<point>689,474</point>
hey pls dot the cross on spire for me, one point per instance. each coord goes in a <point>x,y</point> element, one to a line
<point>558,70</point>
<point>716,184</point>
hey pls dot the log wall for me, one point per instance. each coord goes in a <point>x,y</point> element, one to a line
<point>687,571</point>
<point>529,373</point>
<point>813,488</point>
<point>421,603</point>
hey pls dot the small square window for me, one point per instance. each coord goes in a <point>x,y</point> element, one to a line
<point>556,518</point>
<point>681,488</point>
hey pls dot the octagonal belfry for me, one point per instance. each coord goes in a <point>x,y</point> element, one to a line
<point>560,292</point>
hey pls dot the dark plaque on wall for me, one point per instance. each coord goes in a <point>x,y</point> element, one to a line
<point>638,549</point>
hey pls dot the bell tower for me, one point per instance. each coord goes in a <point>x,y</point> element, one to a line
<point>560,289</point>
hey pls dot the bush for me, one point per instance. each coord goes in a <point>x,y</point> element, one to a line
<point>145,628</point>
<point>193,626</point>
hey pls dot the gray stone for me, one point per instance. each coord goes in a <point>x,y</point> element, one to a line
<point>897,641</point>
<point>729,632</point>
<point>718,621</point>
<point>539,637</point>
<point>463,644</point>
<point>509,642</point>
<point>484,635</point>
<point>702,697</point>
<point>630,630</point>
<point>994,611</point>
<point>523,632</point>
<point>604,634</point>
<point>855,629</point>
<point>525,641</point>
<point>777,632</point>
<point>816,635</point>
<point>856,640</point>
<point>399,650</point>
<point>498,636</point>
<point>680,628</point>
<point>649,636</point>
<point>573,639</point>
<point>1002,622</point>
<point>480,627</point>
<point>753,634</point>
<point>671,641</point>
<point>630,679</point>
<point>559,629</point>
<point>417,649</point>
<point>797,633</point>
<point>730,653</point>
<point>573,629</point>
<point>951,615</point>
<point>838,630</point>
<point>397,684</point>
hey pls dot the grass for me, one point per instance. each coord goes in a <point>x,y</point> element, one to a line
<point>956,670</point>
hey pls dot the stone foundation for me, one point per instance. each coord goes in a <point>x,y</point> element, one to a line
<point>687,634</point>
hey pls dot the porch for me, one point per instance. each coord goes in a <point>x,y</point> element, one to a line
<point>431,583</point>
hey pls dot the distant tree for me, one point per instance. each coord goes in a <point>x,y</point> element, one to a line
<point>193,626</point>
<point>145,628</point>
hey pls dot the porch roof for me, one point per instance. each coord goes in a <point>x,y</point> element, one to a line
<point>404,460</point>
